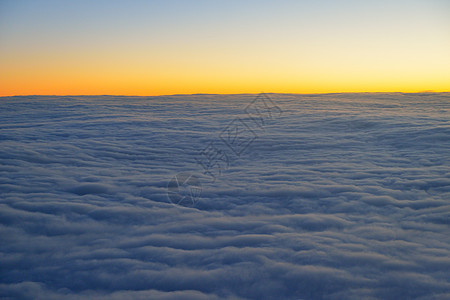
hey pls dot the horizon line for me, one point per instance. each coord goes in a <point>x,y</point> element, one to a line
<point>204,94</point>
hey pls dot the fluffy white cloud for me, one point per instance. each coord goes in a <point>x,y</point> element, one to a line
<point>341,196</point>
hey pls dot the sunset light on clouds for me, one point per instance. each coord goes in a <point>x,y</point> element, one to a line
<point>224,150</point>
<point>184,47</point>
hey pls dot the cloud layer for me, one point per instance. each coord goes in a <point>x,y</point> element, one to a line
<point>341,196</point>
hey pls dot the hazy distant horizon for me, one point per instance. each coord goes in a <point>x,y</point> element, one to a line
<point>227,94</point>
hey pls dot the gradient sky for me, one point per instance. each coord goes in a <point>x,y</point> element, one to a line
<point>172,47</point>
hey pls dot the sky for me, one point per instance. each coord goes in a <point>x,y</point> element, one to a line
<point>183,47</point>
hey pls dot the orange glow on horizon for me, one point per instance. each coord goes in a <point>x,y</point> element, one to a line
<point>334,48</point>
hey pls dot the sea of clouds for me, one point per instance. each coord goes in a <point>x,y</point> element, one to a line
<point>333,196</point>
